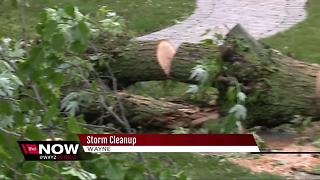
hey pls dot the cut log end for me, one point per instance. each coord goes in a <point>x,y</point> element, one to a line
<point>165,54</point>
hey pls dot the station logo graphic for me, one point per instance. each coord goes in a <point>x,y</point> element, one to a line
<point>50,150</point>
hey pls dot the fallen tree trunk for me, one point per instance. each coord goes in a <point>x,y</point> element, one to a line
<point>277,91</point>
<point>149,113</point>
<point>139,61</point>
<point>277,86</point>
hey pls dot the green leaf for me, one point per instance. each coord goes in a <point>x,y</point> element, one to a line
<point>73,126</point>
<point>84,30</point>
<point>230,125</point>
<point>6,86</point>
<point>11,146</point>
<point>6,121</point>
<point>81,34</point>
<point>79,173</point>
<point>135,172</point>
<point>69,9</point>
<point>26,104</point>
<point>207,41</point>
<point>25,70</point>
<point>114,171</point>
<point>19,119</point>
<point>78,47</point>
<point>199,73</point>
<point>5,107</point>
<point>49,28</point>
<point>16,80</point>
<point>57,78</point>
<point>231,94</point>
<point>36,56</point>
<point>18,51</point>
<point>165,174</point>
<point>239,111</point>
<point>28,166</point>
<point>192,89</point>
<point>52,113</point>
<point>72,107</point>
<point>58,42</point>
<point>241,97</point>
<point>4,154</point>
<point>34,133</point>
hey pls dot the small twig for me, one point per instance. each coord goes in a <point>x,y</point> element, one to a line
<point>11,64</point>
<point>115,88</point>
<point>14,170</point>
<point>44,106</point>
<point>13,134</point>
<point>115,115</point>
<point>9,99</point>
<point>122,120</point>
<point>38,97</point>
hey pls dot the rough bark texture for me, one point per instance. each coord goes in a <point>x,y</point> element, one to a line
<point>276,91</point>
<point>277,86</point>
<point>152,113</point>
<point>139,62</point>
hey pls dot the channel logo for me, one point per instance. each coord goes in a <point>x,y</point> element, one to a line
<point>50,150</point>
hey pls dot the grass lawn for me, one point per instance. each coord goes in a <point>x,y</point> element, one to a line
<point>193,165</point>
<point>208,167</point>
<point>303,40</point>
<point>142,15</point>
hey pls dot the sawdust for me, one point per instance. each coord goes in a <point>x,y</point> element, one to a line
<point>282,164</point>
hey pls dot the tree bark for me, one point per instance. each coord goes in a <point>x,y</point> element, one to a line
<point>139,62</point>
<point>150,113</point>
<point>277,86</point>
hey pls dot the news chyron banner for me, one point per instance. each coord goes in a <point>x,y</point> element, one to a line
<point>99,143</point>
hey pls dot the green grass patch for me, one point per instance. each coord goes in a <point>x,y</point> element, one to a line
<point>303,40</point>
<point>199,166</point>
<point>173,166</point>
<point>142,16</point>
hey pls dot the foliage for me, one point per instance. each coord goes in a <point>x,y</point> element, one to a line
<point>79,173</point>
<point>181,130</point>
<point>204,74</point>
<point>206,166</point>
<point>141,16</point>
<point>36,105</point>
<point>238,112</point>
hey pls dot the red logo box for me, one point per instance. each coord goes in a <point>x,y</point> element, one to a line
<point>32,148</point>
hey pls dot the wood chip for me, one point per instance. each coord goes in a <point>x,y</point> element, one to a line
<point>200,121</point>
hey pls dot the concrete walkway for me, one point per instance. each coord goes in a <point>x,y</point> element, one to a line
<point>262,18</point>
